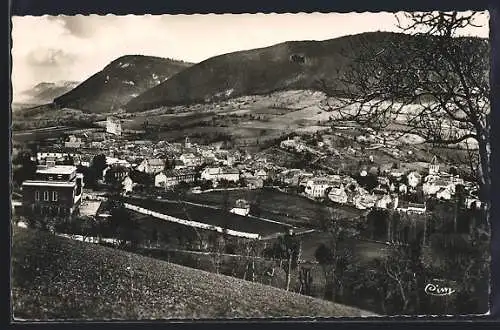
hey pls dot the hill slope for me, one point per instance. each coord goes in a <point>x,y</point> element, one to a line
<point>56,278</point>
<point>290,65</point>
<point>120,81</point>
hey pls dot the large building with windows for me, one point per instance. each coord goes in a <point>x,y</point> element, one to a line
<point>55,191</point>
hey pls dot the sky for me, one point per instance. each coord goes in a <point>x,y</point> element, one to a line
<point>57,48</point>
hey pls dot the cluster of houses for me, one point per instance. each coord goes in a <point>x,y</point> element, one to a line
<point>170,164</point>
<point>405,191</point>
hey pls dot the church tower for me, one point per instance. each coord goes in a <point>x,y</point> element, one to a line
<point>434,167</point>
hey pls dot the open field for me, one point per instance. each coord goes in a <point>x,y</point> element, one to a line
<point>56,278</point>
<point>363,252</point>
<point>39,134</point>
<point>210,216</point>
<point>276,205</point>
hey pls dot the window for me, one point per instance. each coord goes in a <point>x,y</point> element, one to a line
<point>45,195</point>
<point>54,196</point>
<point>37,195</point>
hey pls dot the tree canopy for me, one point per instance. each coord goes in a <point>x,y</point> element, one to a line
<point>436,84</point>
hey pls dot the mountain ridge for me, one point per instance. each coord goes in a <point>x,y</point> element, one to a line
<point>284,66</point>
<point>118,82</point>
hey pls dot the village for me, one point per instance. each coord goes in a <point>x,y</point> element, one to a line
<point>207,205</point>
<point>132,165</point>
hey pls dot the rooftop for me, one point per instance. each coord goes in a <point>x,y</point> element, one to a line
<point>49,183</point>
<point>57,169</point>
<point>89,208</point>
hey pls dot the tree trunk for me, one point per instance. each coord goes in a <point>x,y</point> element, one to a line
<point>334,286</point>
<point>455,215</point>
<point>485,172</point>
<point>425,231</point>
<point>289,272</point>
<point>253,269</point>
<point>389,225</point>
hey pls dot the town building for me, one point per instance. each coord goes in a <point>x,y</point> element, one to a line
<point>172,178</point>
<point>261,174</point>
<point>408,207</point>
<point>151,166</point>
<point>190,160</point>
<point>220,173</point>
<point>364,201</point>
<point>56,155</point>
<point>114,174</point>
<point>242,207</point>
<point>317,187</point>
<point>187,143</point>
<point>160,180</point>
<point>255,183</point>
<point>127,185</point>
<point>55,191</point>
<point>293,177</point>
<point>434,166</point>
<point>414,179</point>
<point>73,142</point>
<point>434,184</point>
<point>337,193</point>
<point>113,126</point>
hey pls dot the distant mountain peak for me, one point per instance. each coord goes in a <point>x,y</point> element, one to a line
<point>45,92</point>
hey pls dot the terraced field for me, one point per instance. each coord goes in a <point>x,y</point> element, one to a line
<point>277,205</point>
<point>210,216</point>
<point>55,278</point>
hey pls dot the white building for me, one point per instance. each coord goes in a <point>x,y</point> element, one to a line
<point>219,173</point>
<point>418,208</point>
<point>317,187</point>
<point>113,161</point>
<point>472,202</point>
<point>151,166</point>
<point>444,193</point>
<point>160,179</point>
<point>73,142</point>
<point>434,166</point>
<point>363,202</point>
<point>414,179</point>
<point>242,207</point>
<point>261,174</point>
<point>57,155</point>
<point>127,184</point>
<point>338,194</point>
<point>113,126</point>
<point>385,202</point>
<point>403,189</point>
<point>190,160</point>
<point>434,184</point>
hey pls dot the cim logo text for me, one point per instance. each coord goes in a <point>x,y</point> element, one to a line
<point>434,289</point>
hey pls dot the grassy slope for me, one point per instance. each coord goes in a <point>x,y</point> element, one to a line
<point>256,71</point>
<point>269,69</point>
<point>55,278</point>
<point>276,205</point>
<point>120,81</point>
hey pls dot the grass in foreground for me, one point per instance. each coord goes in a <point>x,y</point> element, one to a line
<point>56,278</point>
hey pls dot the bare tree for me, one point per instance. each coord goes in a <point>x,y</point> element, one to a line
<point>332,258</point>
<point>435,83</point>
